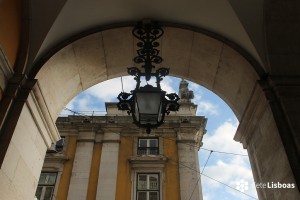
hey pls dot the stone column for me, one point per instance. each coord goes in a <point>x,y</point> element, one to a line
<point>23,160</point>
<point>283,95</point>
<point>260,134</point>
<point>107,180</point>
<point>189,172</point>
<point>81,166</point>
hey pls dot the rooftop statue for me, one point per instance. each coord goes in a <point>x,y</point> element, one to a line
<point>185,94</point>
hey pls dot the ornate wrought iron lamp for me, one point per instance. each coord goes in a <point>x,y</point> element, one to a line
<point>148,104</point>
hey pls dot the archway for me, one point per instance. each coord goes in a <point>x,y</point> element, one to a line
<point>190,55</point>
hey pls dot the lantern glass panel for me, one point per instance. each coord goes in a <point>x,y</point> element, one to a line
<point>148,107</point>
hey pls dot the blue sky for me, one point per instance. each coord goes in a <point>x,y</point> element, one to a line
<point>221,127</point>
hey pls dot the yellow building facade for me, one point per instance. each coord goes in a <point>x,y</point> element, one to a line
<point>109,158</point>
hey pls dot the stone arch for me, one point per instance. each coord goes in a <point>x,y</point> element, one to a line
<point>107,54</point>
<point>190,54</point>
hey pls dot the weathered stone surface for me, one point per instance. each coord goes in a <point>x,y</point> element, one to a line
<point>81,166</point>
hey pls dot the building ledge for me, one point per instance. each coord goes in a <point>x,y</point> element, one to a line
<point>148,161</point>
<point>56,157</point>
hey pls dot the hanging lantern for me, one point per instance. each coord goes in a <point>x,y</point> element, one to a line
<point>148,104</point>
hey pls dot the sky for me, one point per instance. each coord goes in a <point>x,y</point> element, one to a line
<point>225,176</point>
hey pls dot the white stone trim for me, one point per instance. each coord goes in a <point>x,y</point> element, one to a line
<point>108,172</point>
<point>81,166</point>
<point>188,179</point>
<point>44,113</point>
<point>39,120</point>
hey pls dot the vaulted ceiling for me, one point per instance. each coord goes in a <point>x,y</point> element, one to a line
<point>55,21</point>
<point>266,30</point>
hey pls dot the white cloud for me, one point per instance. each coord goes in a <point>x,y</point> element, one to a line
<point>206,197</point>
<point>108,90</point>
<point>206,107</point>
<point>168,85</point>
<point>230,173</point>
<point>194,86</point>
<point>71,104</point>
<point>231,170</point>
<point>222,139</point>
<point>83,103</point>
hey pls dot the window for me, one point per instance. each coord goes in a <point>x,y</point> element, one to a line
<point>147,187</point>
<point>148,146</point>
<point>46,186</point>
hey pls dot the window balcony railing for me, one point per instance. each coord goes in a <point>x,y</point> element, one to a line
<point>147,151</point>
<point>153,185</point>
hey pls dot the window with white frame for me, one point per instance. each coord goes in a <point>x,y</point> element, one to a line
<point>46,186</point>
<point>147,187</point>
<point>148,146</point>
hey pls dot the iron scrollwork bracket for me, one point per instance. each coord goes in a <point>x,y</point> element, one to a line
<point>161,72</point>
<point>148,34</point>
<point>125,102</point>
<point>133,71</point>
<point>172,103</point>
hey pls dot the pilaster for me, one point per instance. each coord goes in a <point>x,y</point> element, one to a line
<point>266,133</point>
<point>189,171</point>
<point>82,165</point>
<point>95,165</point>
<point>107,179</point>
<point>26,146</point>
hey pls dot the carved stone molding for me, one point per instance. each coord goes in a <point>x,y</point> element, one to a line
<point>41,107</point>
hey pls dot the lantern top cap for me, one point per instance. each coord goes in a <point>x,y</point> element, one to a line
<point>149,88</point>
